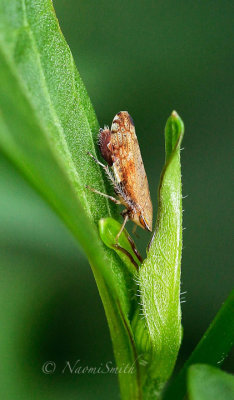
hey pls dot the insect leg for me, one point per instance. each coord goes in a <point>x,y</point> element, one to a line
<point>106,169</point>
<point>134,231</point>
<point>96,160</point>
<point>104,195</point>
<point>122,227</point>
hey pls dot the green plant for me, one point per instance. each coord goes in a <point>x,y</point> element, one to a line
<point>54,126</point>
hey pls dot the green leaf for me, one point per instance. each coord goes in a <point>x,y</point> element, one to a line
<point>209,383</point>
<point>125,248</point>
<point>47,125</point>
<point>159,276</point>
<point>212,348</point>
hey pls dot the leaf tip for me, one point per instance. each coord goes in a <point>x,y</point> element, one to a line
<point>174,132</point>
<point>174,114</point>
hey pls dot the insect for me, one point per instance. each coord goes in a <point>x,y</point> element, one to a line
<point>120,149</point>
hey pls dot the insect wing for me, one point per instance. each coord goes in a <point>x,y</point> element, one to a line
<point>128,165</point>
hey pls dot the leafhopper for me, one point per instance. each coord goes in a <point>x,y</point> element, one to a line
<point>120,149</point>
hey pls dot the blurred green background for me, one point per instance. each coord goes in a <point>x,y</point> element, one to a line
<point>148,58</point>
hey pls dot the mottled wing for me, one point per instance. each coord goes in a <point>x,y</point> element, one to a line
<point>128,165</point>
